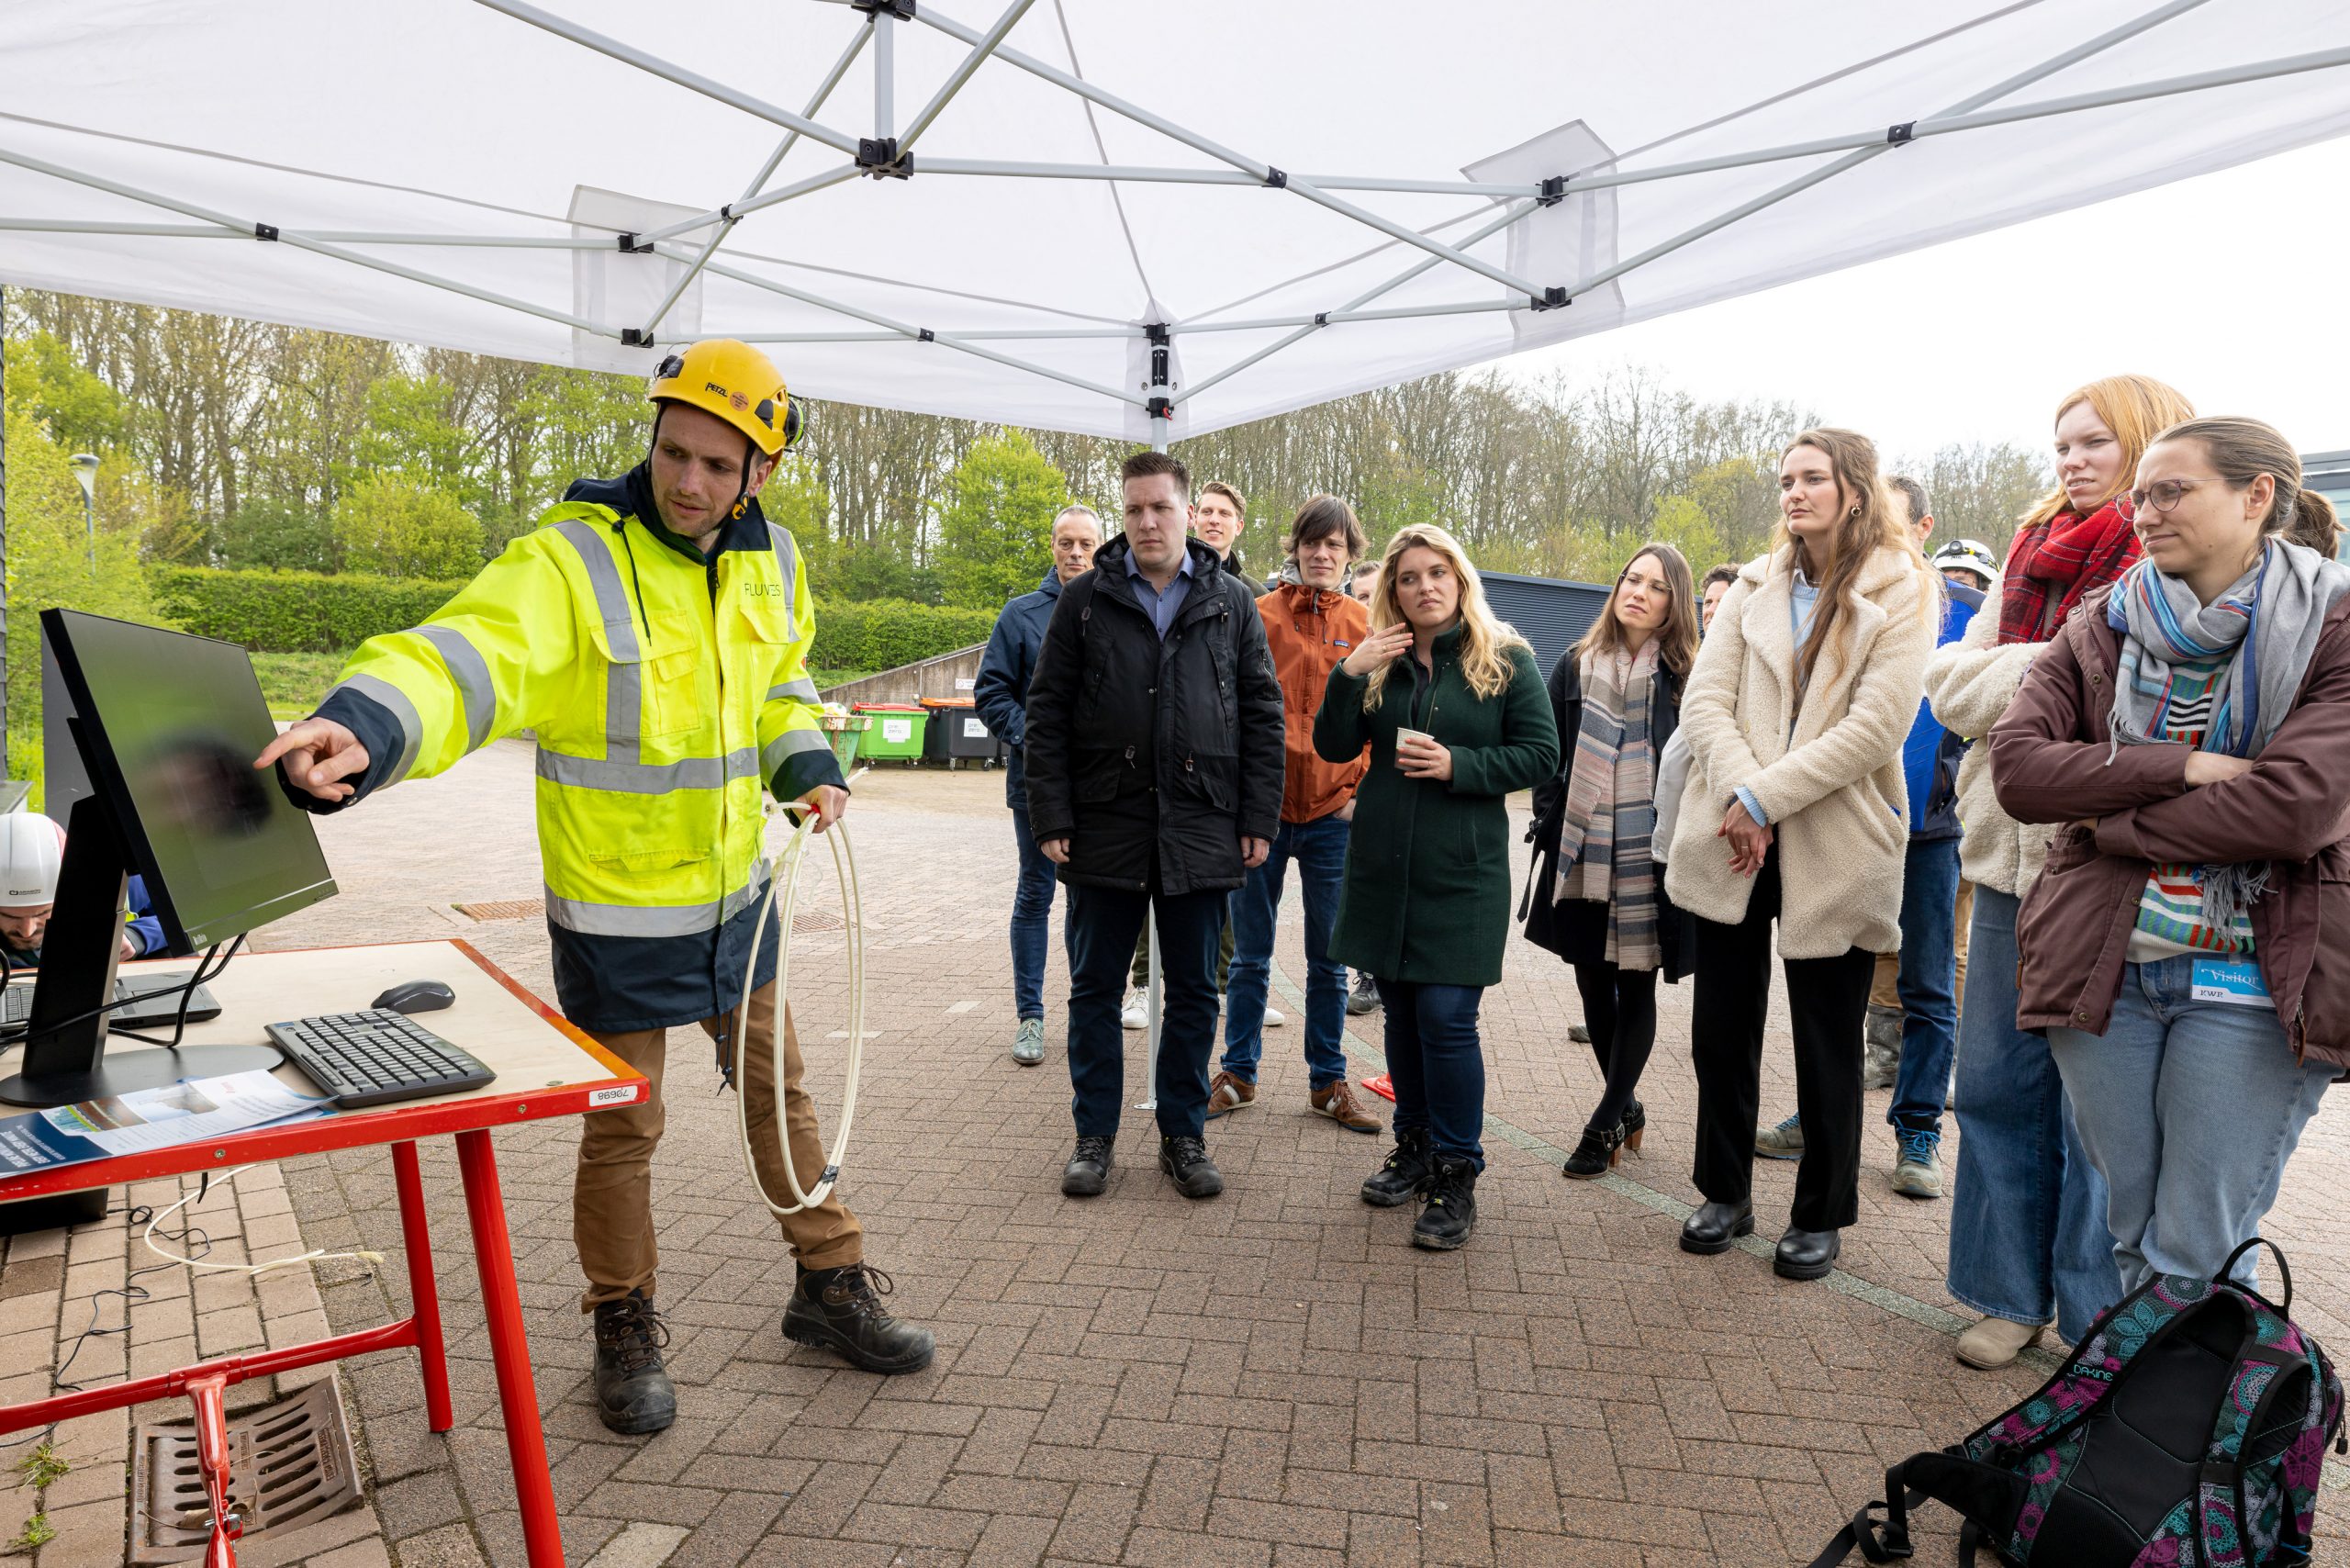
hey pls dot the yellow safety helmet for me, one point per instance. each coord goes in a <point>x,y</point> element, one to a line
<point>736,382</point>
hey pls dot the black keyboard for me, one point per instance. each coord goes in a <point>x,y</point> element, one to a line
<point>137,1011</point>
<point>376,1057</point>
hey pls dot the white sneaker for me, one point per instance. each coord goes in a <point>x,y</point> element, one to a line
<point>1274,1018</point>
<point>1137,1015</point>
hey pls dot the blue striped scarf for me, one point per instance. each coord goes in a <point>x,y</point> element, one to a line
<point>1611,805</point>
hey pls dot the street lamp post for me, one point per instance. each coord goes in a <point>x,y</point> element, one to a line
<point>85,471</point>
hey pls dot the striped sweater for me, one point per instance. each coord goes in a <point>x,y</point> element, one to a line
<point>2170,908</point>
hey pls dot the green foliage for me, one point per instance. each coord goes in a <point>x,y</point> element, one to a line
<point>38,1531</point>
<point>43,1466</point>
<point>885,634</point>
<point>269,534</point>
<point>996,534</point>
<point>392,527</point>
<point>81,411</point>
<point>861,573</point>
<point>291,612</point>
<point>292,683</point>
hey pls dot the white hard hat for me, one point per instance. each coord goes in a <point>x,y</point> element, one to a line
<point>32,847</point>
<point>1969,555</point>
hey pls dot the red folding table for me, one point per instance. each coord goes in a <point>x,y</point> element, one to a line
<point>545,1068</point>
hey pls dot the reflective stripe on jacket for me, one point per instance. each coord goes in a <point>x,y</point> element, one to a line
<point>664,689</point>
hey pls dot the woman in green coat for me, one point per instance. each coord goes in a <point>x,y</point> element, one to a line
<point>1451,705</point>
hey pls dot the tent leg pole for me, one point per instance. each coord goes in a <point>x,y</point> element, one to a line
<point>885,76</point>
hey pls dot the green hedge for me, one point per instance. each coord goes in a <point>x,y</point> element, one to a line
<point>294,613</point>
<point>304,612</point>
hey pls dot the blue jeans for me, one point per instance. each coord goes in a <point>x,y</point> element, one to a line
<point>1032,909</point>
<point>2027,1240</point>
<point>2190,1110</point>
<point>1101,928</point>
<point>1929,983</point>
<point>1435,1064</point>
<point>1319,847</point>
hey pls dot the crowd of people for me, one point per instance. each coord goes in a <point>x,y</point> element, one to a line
<point>2110,766</point>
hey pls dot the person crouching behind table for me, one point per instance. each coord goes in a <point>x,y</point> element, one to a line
<point>1596,896</point>
<point>1155,764</point>
<point>1796,810</point>
<point>2182,948</point>
<point>1451,705</point>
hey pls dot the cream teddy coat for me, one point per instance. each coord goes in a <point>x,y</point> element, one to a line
<point>1828,775</point>
<point>1970,683</point>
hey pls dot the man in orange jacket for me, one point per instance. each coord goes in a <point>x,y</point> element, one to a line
<point>1311,624</point>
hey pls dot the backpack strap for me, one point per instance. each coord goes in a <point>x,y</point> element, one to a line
<point>2260,1374</point>
<point>2284,1272</point>
<point>1877,1542</point>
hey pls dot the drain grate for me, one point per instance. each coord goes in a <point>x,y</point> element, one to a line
<point>503,908</point>
<point>290,1463</point>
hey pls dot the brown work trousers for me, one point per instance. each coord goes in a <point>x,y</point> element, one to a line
<point>612,1197</point>
<point>1885,989</point>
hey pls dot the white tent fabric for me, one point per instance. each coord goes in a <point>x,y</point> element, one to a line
<point>460,172</point>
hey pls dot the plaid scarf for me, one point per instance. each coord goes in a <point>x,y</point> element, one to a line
<point>1611,805</point>
<point>2262,632</point>
<point>2053,566</point>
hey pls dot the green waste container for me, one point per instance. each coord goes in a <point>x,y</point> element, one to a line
<point>897,733</point>
<point>846,730</point>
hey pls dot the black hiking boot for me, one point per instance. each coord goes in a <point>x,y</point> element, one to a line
<point>633,1394</point>
<point>840,1310</point>
<point>1451,1212</point>
<point>1399,1180</point>
<point>1186,1162</point>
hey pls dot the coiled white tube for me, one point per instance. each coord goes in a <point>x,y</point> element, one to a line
<point>783,882</point>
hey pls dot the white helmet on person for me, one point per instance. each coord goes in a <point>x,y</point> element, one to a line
<point>1969,555</point>
<point>32,848</point>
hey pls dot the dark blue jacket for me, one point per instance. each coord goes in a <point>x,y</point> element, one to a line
<point>1002,695</point>
<point>146,932</point>
<point>1929,757</point>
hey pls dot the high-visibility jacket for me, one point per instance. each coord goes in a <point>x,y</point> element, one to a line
<point>666,688</point>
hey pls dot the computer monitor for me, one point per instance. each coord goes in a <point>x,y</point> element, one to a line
<point>167,725</point>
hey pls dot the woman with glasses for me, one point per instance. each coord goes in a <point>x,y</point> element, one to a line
<point>2190,731</point>
<point>1796,811</point>
<point>1596,897</point>
<point>2028,1242</point>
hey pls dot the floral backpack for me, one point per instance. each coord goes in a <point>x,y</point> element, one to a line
<point>2190,1428</point>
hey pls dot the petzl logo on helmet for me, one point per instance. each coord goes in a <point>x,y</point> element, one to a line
<point>713,387</point>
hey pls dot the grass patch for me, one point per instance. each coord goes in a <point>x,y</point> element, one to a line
<point>826,679</point>
<point>38,1532</point>
<point>43,1466</point>
<point>293,683</point>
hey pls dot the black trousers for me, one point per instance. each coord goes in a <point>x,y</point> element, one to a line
<point>1619,1007</point>
<point>1828,1000</point>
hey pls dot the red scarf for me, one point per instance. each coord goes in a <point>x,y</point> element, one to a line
<point>2053,566</point>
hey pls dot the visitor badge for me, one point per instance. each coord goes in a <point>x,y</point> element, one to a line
<point>2236,982</point>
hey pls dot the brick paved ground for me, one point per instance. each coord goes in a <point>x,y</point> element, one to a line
<point>1272,1378</point>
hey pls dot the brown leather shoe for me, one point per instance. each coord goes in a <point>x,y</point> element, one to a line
<point>1227,1094</point>
<point>1338,1103</point>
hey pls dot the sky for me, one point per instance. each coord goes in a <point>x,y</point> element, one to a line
<point>2230,287</point>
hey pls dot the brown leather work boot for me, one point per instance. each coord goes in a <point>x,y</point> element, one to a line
<point>1338,1103</point>
<point>1227,1094</point>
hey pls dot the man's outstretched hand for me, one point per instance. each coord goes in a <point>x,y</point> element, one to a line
<point>317,754</point>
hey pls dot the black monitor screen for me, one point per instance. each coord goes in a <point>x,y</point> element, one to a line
<point>170,725</point>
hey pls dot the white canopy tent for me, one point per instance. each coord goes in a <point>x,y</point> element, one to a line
<point>1089,215</point>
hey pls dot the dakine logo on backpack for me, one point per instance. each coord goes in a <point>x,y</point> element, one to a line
<point>2188,1429</point>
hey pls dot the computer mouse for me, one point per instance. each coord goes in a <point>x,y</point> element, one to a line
<point>416,996</point>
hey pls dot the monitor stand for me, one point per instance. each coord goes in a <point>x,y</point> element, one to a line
<point>65,1057</point>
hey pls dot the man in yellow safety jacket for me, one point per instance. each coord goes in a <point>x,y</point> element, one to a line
<point>653,632</point>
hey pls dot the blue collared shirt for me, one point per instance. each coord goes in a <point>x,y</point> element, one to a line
<point>1165,604</point>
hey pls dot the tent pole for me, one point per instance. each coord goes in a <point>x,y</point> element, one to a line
<point>1313,324</point>
<point>301,241</point>
<point>1262,171</point>
<point>2073,56</point>
<point>999,334</point>
<point>766,171</point>
<point>588,39</point>
<point>1148,174</point>
<point>885,71</point>
<point>742,210</point>
<point>918,334</point>
<point>954,84</point>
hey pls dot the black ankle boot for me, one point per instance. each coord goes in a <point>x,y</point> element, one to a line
<point>1451,1212</point>
<point>840,1310</point>
<point>1715,1225</point>
<point>1594,1154</point>
<point>1396,1183</point>
<point>1635,1125</point>
<point>633,1393</point>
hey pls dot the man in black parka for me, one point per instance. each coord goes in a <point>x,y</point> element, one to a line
<point>1155,768</point>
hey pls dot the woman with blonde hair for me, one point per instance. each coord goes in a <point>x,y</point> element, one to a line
<point>1796,811</point>
<point>1450,704</point>
<point>2027,1238</point>
<point>1596,898</point>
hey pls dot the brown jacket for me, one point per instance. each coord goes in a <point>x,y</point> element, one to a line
<point>1311,632</point>
<point>2051,762</point>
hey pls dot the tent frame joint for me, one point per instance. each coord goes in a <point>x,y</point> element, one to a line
<point>1320,317</point>
<point>631,245</point>
<point>926,335</point>
<point>876,10</point>
<point>636,337</point>
<point>1896,135</point>
<point>1552,191</point>
<point>1553,298</point>
<point>264,230</point>
<point>1276,179</point>
<point>1159,407</point>
<point>879,158</point>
